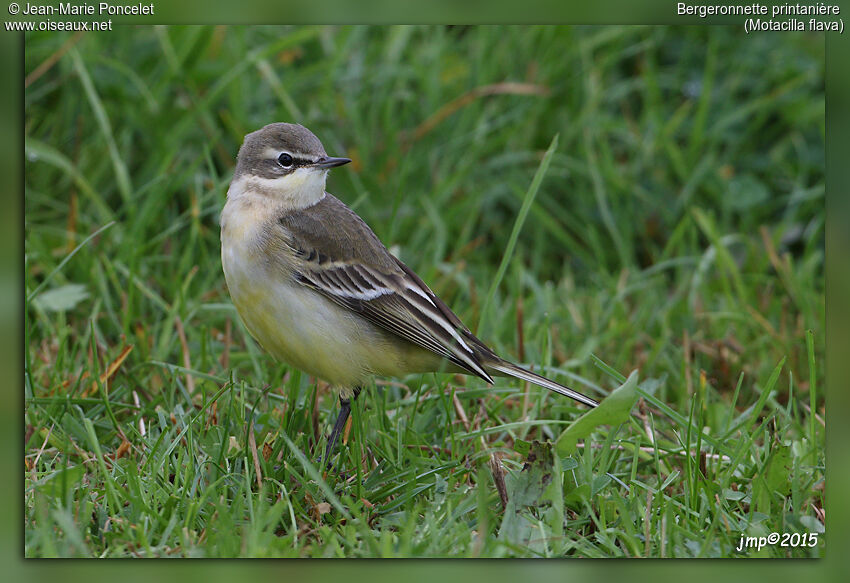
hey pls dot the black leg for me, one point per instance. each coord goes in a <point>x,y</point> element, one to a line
<point>344,412</point>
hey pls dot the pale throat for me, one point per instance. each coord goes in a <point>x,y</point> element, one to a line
<point>298,190</point>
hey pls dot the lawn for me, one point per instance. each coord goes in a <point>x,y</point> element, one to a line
<point>595,202</point>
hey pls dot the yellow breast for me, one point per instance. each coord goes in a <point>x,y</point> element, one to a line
<point>296,324</point>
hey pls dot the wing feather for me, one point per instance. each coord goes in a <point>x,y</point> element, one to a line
<point>331,250</point>
<point>399,304</point>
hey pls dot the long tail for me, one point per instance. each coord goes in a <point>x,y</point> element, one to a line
<point>510,369</point>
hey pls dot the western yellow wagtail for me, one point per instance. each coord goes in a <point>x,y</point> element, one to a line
<point>317,288</point>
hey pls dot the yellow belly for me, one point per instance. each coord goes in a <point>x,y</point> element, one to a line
<point>301,327</point>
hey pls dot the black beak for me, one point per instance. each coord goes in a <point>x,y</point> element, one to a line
<point>328,162</point>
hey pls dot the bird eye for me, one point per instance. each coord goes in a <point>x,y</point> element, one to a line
<point>285,160</point>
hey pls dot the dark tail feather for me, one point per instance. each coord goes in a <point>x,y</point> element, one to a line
<point>513,370</point>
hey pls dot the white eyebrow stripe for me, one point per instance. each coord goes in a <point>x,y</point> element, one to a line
<point>270,152</point>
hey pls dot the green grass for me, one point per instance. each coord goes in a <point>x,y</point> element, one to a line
<point>677,229</point>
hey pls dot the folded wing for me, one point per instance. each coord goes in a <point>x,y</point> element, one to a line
<point>400,303</point>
